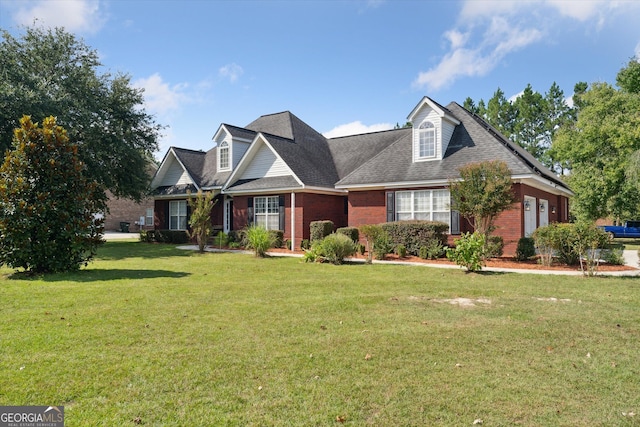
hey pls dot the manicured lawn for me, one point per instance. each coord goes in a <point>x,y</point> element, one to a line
<point>154,335</point>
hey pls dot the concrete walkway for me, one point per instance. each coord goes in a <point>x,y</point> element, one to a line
<point>631,259</point>
<point>116,235</point>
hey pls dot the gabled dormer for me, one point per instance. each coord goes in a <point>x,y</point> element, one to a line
<point>433,126</point>
<point>231,144</point>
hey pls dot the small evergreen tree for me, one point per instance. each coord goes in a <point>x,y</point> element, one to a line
<point>47,205</point>
<point>200,220</point>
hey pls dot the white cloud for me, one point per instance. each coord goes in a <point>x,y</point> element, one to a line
<point>231,71</point>
<point>159,96</point>
<point>83,16</point>
<point>356,128</point>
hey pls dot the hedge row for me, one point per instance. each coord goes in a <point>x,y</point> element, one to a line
<point>416,234</point>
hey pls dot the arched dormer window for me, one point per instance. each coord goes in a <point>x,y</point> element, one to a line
<point>223,156</point>
<point>426,140</point>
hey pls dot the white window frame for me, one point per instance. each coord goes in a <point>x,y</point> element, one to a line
<point>149,217</point>
<point>224,156</point>
<point>427,142</point>
<point>423,205</point>
<point>178,210</point>
<point>266,212</point>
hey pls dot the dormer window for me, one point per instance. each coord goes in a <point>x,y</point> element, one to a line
<point>426,140</point>
<point>223,156</point>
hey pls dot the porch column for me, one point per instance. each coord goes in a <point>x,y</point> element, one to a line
<point>293,221</point>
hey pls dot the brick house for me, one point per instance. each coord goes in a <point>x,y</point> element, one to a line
<point>281,173</point>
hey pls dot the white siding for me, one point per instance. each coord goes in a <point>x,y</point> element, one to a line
<point>427,113</point>
<point>265,164</point>
<point>447,132</point>
<point>175,175</point>
<point>238,150</point>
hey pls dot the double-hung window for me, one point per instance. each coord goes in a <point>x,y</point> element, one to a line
<point>267,212</point>
<point>223,156</point>
<point>426,140</point>
<point>178,215</point>
<point>431,205</point>
<point>149,217</point>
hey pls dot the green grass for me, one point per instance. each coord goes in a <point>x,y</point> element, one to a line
<point>177,338</point>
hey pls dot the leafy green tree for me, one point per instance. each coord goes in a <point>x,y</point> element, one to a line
<point>200,219</point>
<point>482,193</point>
<point>628,78</point>
<point>52,73</point>
<point>47,204</point>
<point>598,150</point>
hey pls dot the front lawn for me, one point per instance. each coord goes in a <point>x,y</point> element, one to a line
<point>152,335</point>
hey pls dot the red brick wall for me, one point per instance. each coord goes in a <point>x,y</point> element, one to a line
<point>369,207</point>
<point>309,207</point>
<point>126,210</point>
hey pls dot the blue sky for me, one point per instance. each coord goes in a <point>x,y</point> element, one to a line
<point>341,66</point>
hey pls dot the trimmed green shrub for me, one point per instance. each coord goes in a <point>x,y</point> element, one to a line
<point>287,244</point>
<point>320,229</point>
<point>336,247</point>
<point>495,247</point>
<point>526,249</point>
<point>305,244</point>
<point>401,251</point>
<point>382,245</point>
<point>278,238</point>
<point>147,236</point>
<point>179,237</point>
<point>221,239</point>
<point>469,251</point>
<point>416,234</point>
<point>259,239</point>
<point>374,234</point>
<point>433,249</point>
<point>350,232</point>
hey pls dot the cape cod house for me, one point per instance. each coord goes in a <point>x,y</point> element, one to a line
<point>279,172</point>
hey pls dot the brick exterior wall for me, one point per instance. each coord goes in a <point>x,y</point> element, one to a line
<point>309,207</point>
<point>369,207</point>
<point>126,210</point>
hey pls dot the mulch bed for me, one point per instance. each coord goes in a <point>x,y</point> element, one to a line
<point>502,262</point>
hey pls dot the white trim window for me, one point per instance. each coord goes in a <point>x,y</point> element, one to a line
<point>178,215</point>
<point>149,217</point>
<point>267,212</point>
<point>431,205</point>
<point>426,140</point>
<point>224,154</point>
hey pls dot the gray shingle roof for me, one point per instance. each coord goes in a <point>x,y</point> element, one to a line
<point>472,140</point>
<point>301,147</point>
<point>265,184</point>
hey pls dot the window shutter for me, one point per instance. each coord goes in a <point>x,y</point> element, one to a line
<point>391,210</point>
<point>250,211</point>
<point>455,222</point>
<point>281,212</point>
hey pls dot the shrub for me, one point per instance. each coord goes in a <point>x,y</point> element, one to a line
<point>373,234</point>
<point>544,242</point>
<point>179,237</point>
<point>200,219</point>
<point>234,236</point>
<point>305,244</point>
<point>335,248</point>
<point>147,236</point>
<point>401,251</point>
<point>526,249</point>
<point>259,239</point>
<point>589,239</point>
<point>469,251</point>
<point>433,249</point>
<point>416,234</point>
<point>361,248</point>
<point>320,229</point>
<point>350,232</point>
<point>221,239</point>
<point>382,245</point>
<point>613,255</point>
<point>495,247</point>
<point>287,244</point>
<point>278,238</point>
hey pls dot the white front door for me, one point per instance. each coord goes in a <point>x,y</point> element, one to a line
<point>544,212</point>
<point>529,215</point>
